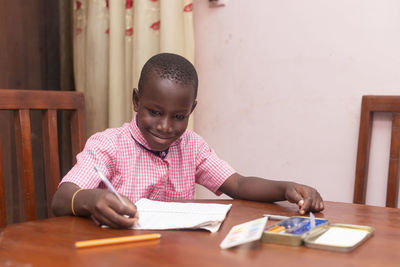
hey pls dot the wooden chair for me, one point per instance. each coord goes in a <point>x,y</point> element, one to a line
<point>49,102</point>
<point>371,104</point>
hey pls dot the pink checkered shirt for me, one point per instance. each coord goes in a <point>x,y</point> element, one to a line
<point>137,173</point>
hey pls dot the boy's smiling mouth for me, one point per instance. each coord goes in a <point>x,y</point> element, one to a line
<point>162,138</point>
<point>160,143</point>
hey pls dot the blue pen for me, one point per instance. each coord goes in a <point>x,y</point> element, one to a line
<point>108,184</point>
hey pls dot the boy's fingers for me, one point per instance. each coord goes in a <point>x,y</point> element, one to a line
<point>129,212</point>
<point>318,203</point>
<point>117,216</point>
<point>137,216</point>
<point>309,199</point>
<point>95,220</point>
<point>306,206</point>
<point>118,221</point>
<point>301,204</point>
<point>315,204</point>
<point>103,220</point>
<point>294,196</point>
<point>121,221</point>
<point>130,209</point>
<point>133,211</point>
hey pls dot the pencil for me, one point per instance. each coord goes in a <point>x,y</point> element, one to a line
<point>116,240</point>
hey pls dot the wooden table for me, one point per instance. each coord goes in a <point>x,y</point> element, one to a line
<point>50,242</point>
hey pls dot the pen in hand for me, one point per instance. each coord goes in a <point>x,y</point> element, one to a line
<point>109,185</point>
<point>111,188</point>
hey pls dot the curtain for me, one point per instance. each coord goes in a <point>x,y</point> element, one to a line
<point>112,39</point>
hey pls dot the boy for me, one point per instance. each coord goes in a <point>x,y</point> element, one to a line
<point>155,157</point>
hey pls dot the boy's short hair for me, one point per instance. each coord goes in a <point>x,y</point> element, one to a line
<point>172,67</point>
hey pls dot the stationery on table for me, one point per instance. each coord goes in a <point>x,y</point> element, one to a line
<point>275,217</point>
<point>317,233</point>
<point>157,215</point>
<point>115,240</point>
<point>244,233</point>
<point>339,237</point>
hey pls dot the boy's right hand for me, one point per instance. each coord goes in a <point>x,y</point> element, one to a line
<point>99,204</point>
<point>106,209</point>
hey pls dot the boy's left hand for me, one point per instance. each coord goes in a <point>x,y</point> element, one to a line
<point>307,198</point>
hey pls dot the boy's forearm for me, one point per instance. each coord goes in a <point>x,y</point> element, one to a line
<point>254,188</point>
<point>61,203</point>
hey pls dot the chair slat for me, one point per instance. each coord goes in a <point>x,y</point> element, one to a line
<point>51,155</point>
<point>25,164</point>
<point>393,176</point>
<point>78,132</point>
<point>3,215</point>
<point>364,143</point>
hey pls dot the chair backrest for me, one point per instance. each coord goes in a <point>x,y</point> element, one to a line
<point>371,104</point>
<point>20,102</point>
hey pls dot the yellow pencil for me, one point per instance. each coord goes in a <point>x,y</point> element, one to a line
<point>115,240</point>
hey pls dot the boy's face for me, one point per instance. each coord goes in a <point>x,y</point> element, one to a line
<point>163,108</point>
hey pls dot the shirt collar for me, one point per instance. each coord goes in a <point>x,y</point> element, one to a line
<point>138,136</point>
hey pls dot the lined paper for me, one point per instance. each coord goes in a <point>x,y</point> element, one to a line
<point>158,215</point>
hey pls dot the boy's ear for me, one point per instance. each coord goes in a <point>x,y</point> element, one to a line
<point>194,105</point>
<point>135,99</point>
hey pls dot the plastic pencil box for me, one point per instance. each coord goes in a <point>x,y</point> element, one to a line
<point>297,230</point>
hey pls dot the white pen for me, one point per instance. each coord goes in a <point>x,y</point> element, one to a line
<point>276,217</point>
<point>108,184</point>
<point>312,220</point>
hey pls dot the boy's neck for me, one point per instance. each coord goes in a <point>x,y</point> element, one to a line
<point>161,154</point>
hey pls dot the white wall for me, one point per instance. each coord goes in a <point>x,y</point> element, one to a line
<point>281,85</point>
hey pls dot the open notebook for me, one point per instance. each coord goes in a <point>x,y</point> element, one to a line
<point>157,215</point>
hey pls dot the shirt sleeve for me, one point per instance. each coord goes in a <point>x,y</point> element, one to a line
<point>98,151</point>
<point>211,171</point>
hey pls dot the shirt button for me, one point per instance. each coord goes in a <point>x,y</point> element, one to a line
<point>163,154</point>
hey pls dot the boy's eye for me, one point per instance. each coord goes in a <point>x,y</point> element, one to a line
<point>179,117</point>
<point>154,112</point>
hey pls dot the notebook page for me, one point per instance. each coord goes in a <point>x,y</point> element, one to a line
<point>157,215</point>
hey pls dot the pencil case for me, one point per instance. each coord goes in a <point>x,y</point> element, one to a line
<point>291,231</point>
<point>297,230</point>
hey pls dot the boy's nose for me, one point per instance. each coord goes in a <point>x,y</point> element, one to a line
<point>164,125</point>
